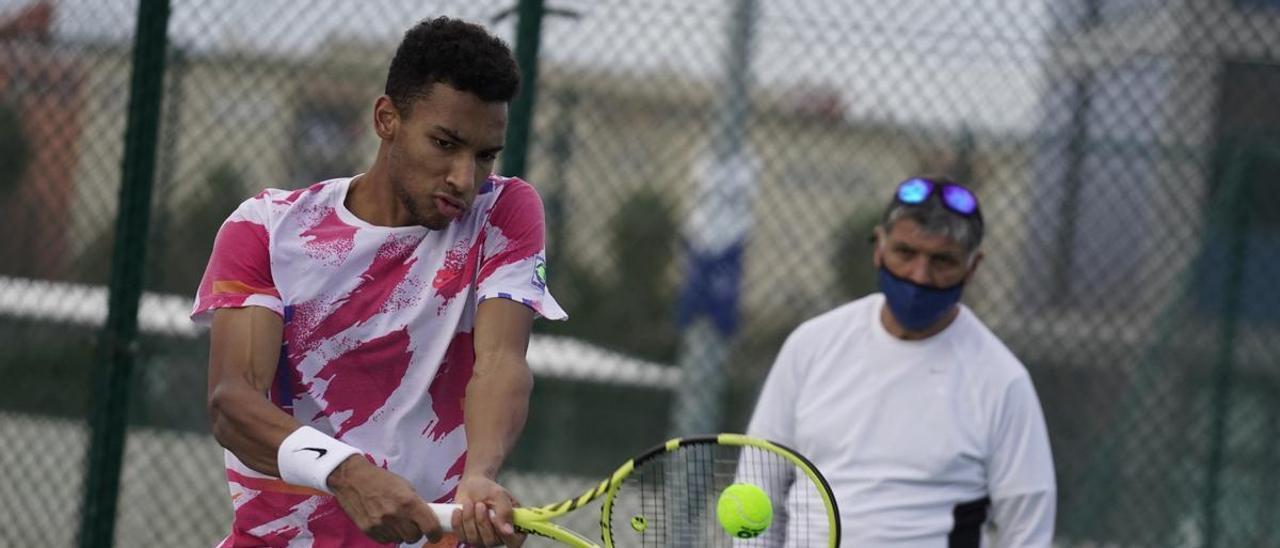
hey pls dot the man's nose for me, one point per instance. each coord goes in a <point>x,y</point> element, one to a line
<point>918,271</point>
<point>462,175</point>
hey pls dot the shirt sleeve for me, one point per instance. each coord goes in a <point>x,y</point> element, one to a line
<point>774,420</point>
<point>1020,470</point>
<point>513,262</point>
<point>239,269</point>
<point>1024,520</point>
<point>774,416</point>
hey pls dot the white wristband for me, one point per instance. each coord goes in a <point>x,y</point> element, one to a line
<point>308,456</point>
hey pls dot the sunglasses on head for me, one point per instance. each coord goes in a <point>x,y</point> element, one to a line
<point>917,190</point>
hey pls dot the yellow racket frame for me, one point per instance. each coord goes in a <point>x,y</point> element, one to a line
<point>537,520</point>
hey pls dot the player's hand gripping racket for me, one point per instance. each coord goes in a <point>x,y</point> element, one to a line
<point>671,495</point>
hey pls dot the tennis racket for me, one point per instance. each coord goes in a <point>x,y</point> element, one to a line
<point>667,496</point>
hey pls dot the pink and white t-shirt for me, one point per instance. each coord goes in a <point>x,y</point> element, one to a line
<point>377,347</point>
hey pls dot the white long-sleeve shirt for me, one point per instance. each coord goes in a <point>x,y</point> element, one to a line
<point>918,439</point>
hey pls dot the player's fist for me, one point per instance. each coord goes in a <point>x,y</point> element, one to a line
<point>486,515</point>
<point>382,504</point>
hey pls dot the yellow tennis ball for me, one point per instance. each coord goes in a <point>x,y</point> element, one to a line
<point>744,510</point>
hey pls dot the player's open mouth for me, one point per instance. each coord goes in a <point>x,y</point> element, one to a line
<point>449,206</point>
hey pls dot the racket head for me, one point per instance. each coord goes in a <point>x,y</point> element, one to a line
<point>667,496</point>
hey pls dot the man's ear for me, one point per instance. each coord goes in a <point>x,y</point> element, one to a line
<point>973,265</point>
<point>386,119</point>
<point>877,246</point>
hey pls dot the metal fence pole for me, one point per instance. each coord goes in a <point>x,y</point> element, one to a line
<point>1236,185</point>
<point>704,349</point>
<point>118,342</point>
<point>528,39</point>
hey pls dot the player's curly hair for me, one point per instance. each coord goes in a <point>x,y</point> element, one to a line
<point>454,52</point>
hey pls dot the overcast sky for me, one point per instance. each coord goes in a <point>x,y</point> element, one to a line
<point>920,62</point>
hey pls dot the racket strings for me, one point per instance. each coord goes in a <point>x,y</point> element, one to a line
<point>670,500</point>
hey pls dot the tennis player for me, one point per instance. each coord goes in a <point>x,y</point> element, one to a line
<point>925,424</point>
<point>369,332</point>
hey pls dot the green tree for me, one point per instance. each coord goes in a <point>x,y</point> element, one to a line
<point>181,235</point>
<point>184,238</point>
<point>851,258</point>
<point>15,150</point>
<point>641,305</point>
<point>16,252</point>
<point>632,310</point>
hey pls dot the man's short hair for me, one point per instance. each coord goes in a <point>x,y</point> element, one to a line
<point>935,218</point>
<point>454,52</point>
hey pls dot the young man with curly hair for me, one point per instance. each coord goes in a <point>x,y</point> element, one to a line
<point>369,332</point>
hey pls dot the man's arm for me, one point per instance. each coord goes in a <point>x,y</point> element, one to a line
<point>244,352</point>
<point>1025,520</point>
<point>774,415</point>
<point>1020,471</point>
<point>774,419</point>
<point>497,401</point>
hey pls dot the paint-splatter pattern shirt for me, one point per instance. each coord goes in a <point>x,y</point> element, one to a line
<point>377,347</point>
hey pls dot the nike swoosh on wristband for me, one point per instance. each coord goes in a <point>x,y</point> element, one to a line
<point>320,453</point>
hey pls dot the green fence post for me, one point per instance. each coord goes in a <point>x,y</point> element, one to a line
<point>1237,185</point>
<point>528,39</point>
<point>118,342</point>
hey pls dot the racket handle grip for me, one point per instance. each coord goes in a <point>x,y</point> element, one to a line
<point>444,514</point>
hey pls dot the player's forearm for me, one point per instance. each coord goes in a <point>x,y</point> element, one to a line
<point>496,405</point>
<point>250,426</point>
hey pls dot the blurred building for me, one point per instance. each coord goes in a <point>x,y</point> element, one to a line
<point>263,121</point>
<point>820,172</point>
<point>1123,176</point>
<point>1155,236</point>
<point>287,120</point>
<point>41,92</point>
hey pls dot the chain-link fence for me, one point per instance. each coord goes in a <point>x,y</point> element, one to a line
<point>711,172</point>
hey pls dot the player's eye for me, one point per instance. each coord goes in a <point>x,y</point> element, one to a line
<point>444,144</point>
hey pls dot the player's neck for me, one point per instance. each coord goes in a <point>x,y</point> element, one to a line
<point>897,330</point>
<point>371,199</point>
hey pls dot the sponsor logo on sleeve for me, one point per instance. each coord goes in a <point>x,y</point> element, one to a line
<point>539,272</point>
